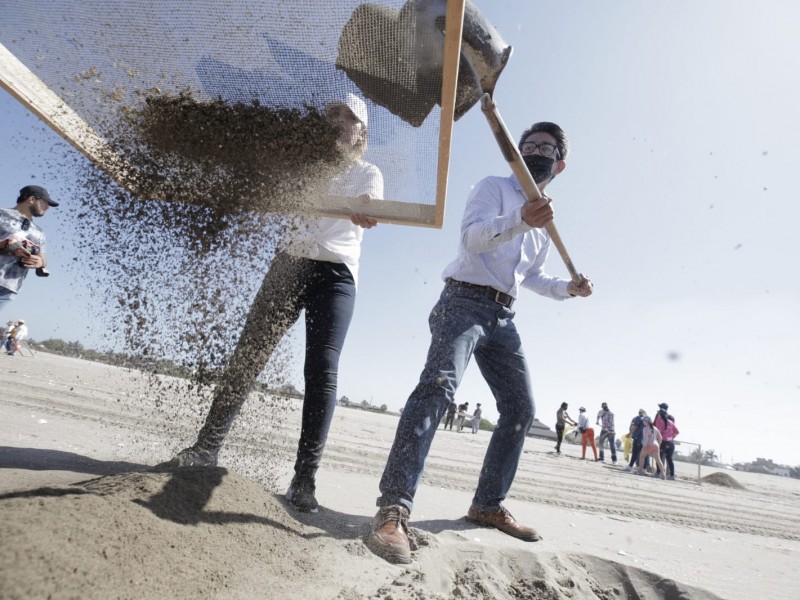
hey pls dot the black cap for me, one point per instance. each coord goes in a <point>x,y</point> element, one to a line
<point>36,191</point>
<point>664,405</point>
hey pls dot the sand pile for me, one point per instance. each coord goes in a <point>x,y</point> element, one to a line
<point>209,533</point>
<point>724,480</point>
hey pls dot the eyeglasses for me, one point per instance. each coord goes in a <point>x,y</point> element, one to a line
<point>544,148</point>
<point>26,224</point>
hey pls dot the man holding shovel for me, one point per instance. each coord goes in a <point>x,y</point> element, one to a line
<point>503,246</point>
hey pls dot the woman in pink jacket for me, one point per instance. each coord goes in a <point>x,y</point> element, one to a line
<point>651,446</point>
<point>665,423</point>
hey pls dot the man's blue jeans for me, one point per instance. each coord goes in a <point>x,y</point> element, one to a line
<point>464,322</point>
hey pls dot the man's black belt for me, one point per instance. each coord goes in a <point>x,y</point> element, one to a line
<point>500,297</point>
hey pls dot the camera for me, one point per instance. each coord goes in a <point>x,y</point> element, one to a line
<point>34,250</point>
<point>30,247</point>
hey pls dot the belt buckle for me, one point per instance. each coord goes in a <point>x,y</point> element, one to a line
<point>497,297</point>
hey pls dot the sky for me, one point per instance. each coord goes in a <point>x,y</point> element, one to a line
<point>677,201</point>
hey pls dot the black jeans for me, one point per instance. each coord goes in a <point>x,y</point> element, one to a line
<point>667,450</point>
<point>559,436</point>
<point>326,291</point>
<point>637,450</point>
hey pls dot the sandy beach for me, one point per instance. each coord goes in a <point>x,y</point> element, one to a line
<point>81,516</point>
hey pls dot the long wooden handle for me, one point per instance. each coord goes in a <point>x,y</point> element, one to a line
<point>514,158</point>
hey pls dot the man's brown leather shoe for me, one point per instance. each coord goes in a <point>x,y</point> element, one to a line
<point>501,519</point>
<point>389,535</point>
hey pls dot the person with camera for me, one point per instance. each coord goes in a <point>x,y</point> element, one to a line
<point>22,242</point>
<point>316,272</point>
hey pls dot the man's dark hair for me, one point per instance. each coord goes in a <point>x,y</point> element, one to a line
<point>562,143</point>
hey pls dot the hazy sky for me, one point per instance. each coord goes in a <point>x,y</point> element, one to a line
<point>677,201</point>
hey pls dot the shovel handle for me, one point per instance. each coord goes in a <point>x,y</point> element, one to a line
<point>529,187</point>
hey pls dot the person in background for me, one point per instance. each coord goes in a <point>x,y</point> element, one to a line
<point>16,336</point>
<point>476,418</point>
<point>605,418</point>
<point>7,332</point>
<point>665,423</point>
<point>587,433</point>
<point>651,447</point>
<point>627,446</point>
<point>462,415</point>
<point>503,247</point>
<point>22,242</point>
<point>317,272</point>
<point>635,431</point>
<point>451,414</point>
<point>562,418</point>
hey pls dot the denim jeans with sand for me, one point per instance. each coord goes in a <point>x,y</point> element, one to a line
<point>326,291</point>
<point>464,322</point>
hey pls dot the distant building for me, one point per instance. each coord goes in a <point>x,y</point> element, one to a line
<point>765,465</point>
<point>541,431</point>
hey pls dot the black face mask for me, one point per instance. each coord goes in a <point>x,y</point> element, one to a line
<point>540,167</point>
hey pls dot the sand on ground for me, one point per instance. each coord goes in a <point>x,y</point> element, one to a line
<point>82,517</point>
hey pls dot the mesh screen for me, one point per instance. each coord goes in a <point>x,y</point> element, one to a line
<point>193,100</point>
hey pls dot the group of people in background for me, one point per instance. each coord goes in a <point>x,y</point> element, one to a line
<point>646,439</point>
<point>459,414</point>
<point>15,332</point>
<point>653,438</point>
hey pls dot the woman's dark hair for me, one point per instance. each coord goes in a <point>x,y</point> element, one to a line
<point>562,143</point>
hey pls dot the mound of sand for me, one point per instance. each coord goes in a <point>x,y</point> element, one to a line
<point>722,479</point>
<point>211,533</point>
